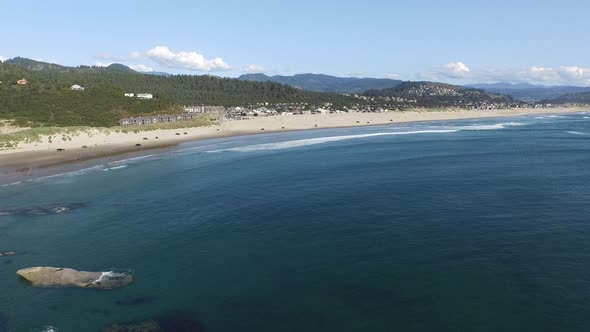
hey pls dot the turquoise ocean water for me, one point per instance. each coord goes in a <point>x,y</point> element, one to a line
<point>475,225</point>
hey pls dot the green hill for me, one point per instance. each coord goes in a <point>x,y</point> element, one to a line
<point>47,100</point>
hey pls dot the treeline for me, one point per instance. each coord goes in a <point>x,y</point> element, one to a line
<point>47,100</point>
<point>53,104</point>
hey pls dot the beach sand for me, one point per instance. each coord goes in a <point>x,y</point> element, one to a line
<point>28,159</point>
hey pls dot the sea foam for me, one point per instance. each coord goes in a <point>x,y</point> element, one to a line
<point>320,140</point>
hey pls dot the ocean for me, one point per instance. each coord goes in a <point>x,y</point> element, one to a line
<point>472,225</point>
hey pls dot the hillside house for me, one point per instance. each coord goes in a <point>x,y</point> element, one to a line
<point>77,87</point>
<point>129,94</point>
<point>145,96</point>
<point>22,82</point>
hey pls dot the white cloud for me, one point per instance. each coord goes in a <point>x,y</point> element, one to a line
<point>103,64</point>
<point>136,55</point>
<point>356,74</point>
<point>574,73</point>
<point>2,59</point>
<point>253,69</point>
<point>141,68</point>
<point>393,76</point>
<point>455,70</point>
<point>186,60</point>
<point>459,72</point>
<point>560,75</point>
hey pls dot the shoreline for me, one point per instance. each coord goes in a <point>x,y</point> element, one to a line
<point>38,159</point>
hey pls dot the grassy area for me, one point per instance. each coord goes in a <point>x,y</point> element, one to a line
<point>35,134</point>
<point>56,134</point>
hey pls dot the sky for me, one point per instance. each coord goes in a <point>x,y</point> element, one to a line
<point>541,42</point>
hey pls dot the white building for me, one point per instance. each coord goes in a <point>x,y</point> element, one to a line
<point>77,87</point>
<point>130,95</point>
<point>322,111</point>
<point>145,96</point>
<point>193,109</point>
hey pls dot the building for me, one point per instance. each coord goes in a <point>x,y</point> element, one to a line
<point>145,120</point>
<point>22,82</point>
<point>129,94</point>
<point>145,96</point>
<point>77,87</point>
<point>204,109</point>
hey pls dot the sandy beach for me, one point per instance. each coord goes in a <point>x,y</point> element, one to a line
<point>27,159</point>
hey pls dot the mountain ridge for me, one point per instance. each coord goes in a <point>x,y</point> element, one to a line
<point>325,83</point>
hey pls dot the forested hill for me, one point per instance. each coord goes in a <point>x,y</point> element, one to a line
<point>326,83</point>
<point>48,100</point>
<point>184,89</point>
<point>573,98</point>
<point>429,94</point>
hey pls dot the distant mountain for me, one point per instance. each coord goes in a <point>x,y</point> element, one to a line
<point>325,83</point>
<point>431,94</point>
<point>572,98</point>
<point>120,67</point>
<point>529,92</point>
<point>33,65</point>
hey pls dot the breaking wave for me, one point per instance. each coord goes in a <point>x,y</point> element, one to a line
<point>576,133</point>
<point>321,140</point>
<point>495,126</point>
<point>115,168</point>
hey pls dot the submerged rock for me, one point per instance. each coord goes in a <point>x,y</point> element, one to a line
<point>46,276</point>
<point>137,300</point>
<point>3,323</point>
<point>175,321</point>
<point>41,210</point>
<point>145,326</point>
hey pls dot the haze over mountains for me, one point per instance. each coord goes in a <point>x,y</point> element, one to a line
<point>531,93</point>
<point>351,85</point>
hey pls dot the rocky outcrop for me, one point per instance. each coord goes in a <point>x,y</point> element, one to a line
<point>46,276</point>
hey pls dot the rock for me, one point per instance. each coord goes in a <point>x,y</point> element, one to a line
<point>145,326</point>
<point>41,210</point>
<point>46,276</point>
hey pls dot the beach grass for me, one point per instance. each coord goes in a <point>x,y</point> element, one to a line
<point>56,134</point>
<point>31,135</point>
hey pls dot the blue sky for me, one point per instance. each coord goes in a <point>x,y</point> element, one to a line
<point>542,42</point>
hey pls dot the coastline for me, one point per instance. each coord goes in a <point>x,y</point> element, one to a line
<point>32,160</point>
